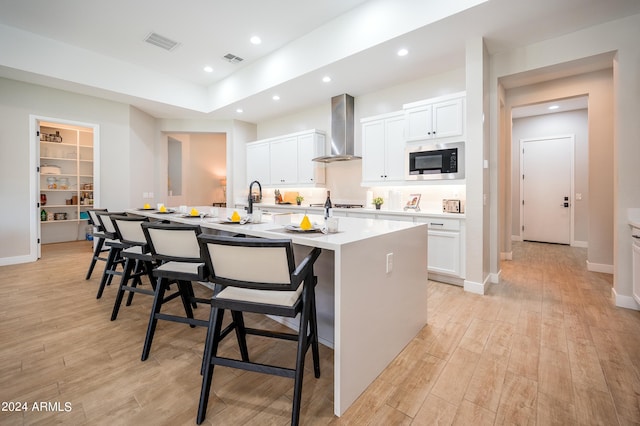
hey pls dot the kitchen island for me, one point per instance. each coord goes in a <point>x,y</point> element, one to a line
<point>371,293</point>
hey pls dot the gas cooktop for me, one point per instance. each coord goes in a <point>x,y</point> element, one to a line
<point>340,206</point>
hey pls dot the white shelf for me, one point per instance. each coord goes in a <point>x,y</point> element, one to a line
<point>64,221</point>
<point>74,157</point>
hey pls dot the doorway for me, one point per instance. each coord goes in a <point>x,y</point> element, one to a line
<point>546,188</point>
<point>65,181</point>
<point>196,169</point>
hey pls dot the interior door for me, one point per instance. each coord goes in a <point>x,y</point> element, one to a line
<point>547,170</point>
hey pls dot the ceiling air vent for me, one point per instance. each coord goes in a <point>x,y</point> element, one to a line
<point>232,58</point>
<point>161,41</point>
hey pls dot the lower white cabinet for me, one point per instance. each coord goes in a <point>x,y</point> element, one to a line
<point>446,249</point>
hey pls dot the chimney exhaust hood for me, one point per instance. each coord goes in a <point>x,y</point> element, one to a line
<point>342,131</point>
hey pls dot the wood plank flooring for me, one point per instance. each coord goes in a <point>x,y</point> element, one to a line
<point>546,346</point>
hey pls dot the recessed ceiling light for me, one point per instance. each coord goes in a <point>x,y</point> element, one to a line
<point>403,52</point>
<point>239,110</point>
<point>554,107</point>
<point>255,40</point>
<point>326,79</point>
<point>208,69</point>
<point>276,98</point>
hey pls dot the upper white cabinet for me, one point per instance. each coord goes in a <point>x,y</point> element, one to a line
<point>435,118</point>
<point>383,149</point>
<point>310,146</point>
<point>284,161</point>
<point>258,164</point>
<point>287,160</point>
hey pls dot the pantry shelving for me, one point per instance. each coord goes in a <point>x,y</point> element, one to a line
<point>66,181</point>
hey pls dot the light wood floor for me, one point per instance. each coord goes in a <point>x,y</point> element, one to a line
<point>545,346</point>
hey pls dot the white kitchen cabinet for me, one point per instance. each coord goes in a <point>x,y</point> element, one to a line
<point>66,181</point>
<point>284,161</point>
<point>310,146</point>
<point>287,160</point>
<point>383,149</point>
<point>446,249</point>
<point>437,118</point>
<point>258,163</point>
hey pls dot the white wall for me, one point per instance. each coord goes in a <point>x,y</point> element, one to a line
<point>599,87</point>
<point>550,125</point>
<point>17,102</point>
<point>142,152</point>
<point>620,37</point>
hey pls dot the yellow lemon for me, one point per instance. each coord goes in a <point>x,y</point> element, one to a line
<point>194,212</point>
<point>147,206</point>
<point>305,225</point>
<point>235,217</point>
<point>163,209</point>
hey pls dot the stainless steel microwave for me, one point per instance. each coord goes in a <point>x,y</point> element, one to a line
<point>437,161</point>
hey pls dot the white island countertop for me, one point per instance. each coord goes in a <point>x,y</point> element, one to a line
<point>350,230</point>
<point>372,286</point>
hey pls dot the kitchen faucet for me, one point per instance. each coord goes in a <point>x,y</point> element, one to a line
<point>250,208</point>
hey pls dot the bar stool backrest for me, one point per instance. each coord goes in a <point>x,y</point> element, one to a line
<point>93,217</point>
<point>173,242</point>
<point>107,224</point>
<point>129,229</point>
<point>258,263</point>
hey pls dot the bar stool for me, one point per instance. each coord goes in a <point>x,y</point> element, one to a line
<point>137,259</point>
<point>175,249</point>
<point>99,237</point>
<point>259,275</point>
<point>114,259</point>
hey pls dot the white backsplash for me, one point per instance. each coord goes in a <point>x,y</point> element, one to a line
<point>343,180</point>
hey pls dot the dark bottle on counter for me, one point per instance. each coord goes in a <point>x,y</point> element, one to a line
<point>327,206</point>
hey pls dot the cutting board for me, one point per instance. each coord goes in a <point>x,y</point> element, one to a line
<point>289,197</point>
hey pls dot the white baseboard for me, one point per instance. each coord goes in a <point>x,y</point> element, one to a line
<point>474,287</point>
<point>506,255</point>
<point>5,261</point>
<point>627,302</point>
<point>599,267</point>
<point>581,244</point>
<point>495,277</point>
<point>516,238</point>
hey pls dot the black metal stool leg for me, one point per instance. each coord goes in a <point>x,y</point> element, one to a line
<point>96,256</point>
<point>161,286</point>
<point>108,270</point>
<point>128,266</point>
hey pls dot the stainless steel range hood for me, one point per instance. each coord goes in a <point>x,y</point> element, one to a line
<point>342,131</point>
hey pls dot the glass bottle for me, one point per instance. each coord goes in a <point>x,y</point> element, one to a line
<point>327,206</point>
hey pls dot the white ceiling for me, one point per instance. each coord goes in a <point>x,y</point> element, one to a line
<point>97,48</point>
